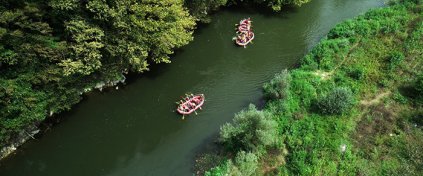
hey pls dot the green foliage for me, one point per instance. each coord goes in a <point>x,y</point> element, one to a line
<point>365,58</point>
<point>418,85</point>
<point>223,169</point>
<point>246,164</point>
<point>417,119</point>
<point>134,33</point>
<point>275,5</point>
<point>32,105</point>
<point>278,87</point>
<point>395,58</point>
<point>337,101</point>
<point>399,98</point>
<point>303,87</point>
<point>251,130</point>
<point>85,55</point>
<point>357,72</point>
<point>64,4</point>
<point>50,51</point>
<point>329,52</point>
<point>200,9</point>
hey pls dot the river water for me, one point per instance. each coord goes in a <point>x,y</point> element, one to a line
<point>135,131</point>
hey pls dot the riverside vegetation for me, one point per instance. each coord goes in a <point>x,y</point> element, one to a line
<point>353,107</point>
<point>53,51</point>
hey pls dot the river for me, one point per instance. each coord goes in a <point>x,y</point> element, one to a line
<point>135,131</point>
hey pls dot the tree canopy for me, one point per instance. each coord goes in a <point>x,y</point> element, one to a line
<point>51,50</point>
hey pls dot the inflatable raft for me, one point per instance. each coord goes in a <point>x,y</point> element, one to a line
<point>190,104</point>
<point>250,37</point>
<point>245,33</point>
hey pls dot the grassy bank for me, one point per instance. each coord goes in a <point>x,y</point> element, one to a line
<point>353,107</point>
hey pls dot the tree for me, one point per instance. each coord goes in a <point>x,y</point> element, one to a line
<point>200,9</point>
<point>50,51</point>
<point>130,33</point>
<point>275,5</point>
<point>85,51</point>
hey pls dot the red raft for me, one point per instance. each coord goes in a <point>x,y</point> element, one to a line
<point>245,33</point>
<point>239,41</point>
<point>190,104</point>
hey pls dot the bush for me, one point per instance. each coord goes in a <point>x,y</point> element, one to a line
<point>246,164</point>
<point>223,169</point>
<point>356,72</point>
<point>399,98</point>
<point>278,87</point>
<point>201,9</point>
<point>395,58</point>
<point>419,85</point>
<point>303,87</point>
<point>337,101</point>
<point>250,130</point>
<point>325,52</point>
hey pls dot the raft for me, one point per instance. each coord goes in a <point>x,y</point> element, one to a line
<point>238,42</point>
<point>185,108</point>
<point>246,21</point>
<point>244,27</point>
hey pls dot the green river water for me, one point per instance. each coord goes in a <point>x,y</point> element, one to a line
<point>135,131</point>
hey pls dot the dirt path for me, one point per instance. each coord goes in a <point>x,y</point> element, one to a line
<point>376,99</point>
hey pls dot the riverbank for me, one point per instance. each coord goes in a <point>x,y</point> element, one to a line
<point>353,107</point>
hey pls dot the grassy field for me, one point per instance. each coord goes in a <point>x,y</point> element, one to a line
<point>353,107</point>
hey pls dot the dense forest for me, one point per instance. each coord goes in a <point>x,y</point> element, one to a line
<point>53,51</point>
<point>353,107</point>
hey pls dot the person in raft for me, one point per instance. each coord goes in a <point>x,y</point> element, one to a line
<point>184,108</point>
<point>193,104</point>
<point>247,21</point>
<point>248,27</point>
<point>241,37</point>
<point>250,34</point>
<point>197,100</point>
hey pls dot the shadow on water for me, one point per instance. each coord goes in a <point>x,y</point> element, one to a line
<point>263,10</point>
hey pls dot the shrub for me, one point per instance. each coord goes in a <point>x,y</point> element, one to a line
<point>395,58</point>
<point>325,52</point>
<point>419,85</point>
<point>278,87</point>
<point>337,101</point>
<point>356,72</point>
<point>302,86</point>
<point>417,118</point>
<point>399,98</point>
<point>251,130</point>
<point>223,169</point>
<point>246,164</point>
<point>343,30</point>
<point>201,9</point>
